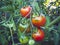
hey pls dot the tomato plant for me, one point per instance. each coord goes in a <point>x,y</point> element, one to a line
<point>15,26</point>
<point>25,10</point>
<point>39,35</point>
<point>39,21</point>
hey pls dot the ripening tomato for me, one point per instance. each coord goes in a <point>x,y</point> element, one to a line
<point>39,21</point>
<point>23,27</point>
<point>28,30</point>
<point>39,35</point>
<point>25,10</point>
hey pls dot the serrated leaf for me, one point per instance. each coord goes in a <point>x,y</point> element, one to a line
<point>35,6</point>
<point>6,8</point>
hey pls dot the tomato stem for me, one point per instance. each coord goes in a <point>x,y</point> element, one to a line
<point>31,27</point>
<point>25,29</point>
<point>11,35</point>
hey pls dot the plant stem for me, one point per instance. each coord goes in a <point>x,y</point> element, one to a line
<point>25,30</point>
<point>11,35</point>
<point>31,27</point>
<point>54,21</point>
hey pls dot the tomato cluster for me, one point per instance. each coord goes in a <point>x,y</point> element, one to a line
<point>37,21</point>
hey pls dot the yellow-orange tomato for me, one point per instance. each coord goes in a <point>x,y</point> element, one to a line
<point>28,30</point>
<point>39,21</point>
<point>25,10</point>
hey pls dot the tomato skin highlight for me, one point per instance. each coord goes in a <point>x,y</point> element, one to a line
<point>25,10</point>
<point>39,35</point>
<point>39,21</point>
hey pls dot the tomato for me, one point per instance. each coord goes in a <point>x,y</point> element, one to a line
<point>28,30</point>
<point>23,39</point>
<point>23,27</point>
<point>39,21</point>
<point>31,42</point>
<point>39,35</point>
<point>25,10</point>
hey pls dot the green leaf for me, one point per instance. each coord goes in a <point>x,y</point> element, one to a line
<point>56,37</point>
<point>47,20</point>
<point>3,40</point>
<point>35,6</point>
<point>7,8</point>
<point>59,28</point>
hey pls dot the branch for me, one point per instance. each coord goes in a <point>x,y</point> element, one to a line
<point>54,21</point>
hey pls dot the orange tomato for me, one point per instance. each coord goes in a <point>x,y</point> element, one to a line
<point>39,21</point>
<point>25,10</point>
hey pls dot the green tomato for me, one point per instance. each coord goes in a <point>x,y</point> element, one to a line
<point>23,39</point>
<point>31,42</point>
<point>22,27</point>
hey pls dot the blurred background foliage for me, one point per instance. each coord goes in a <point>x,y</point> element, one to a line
<point>10,18</point>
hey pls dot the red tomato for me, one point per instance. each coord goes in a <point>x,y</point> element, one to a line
<point>38,36</point>
<point>25,10</point>
<point>39,21</point>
